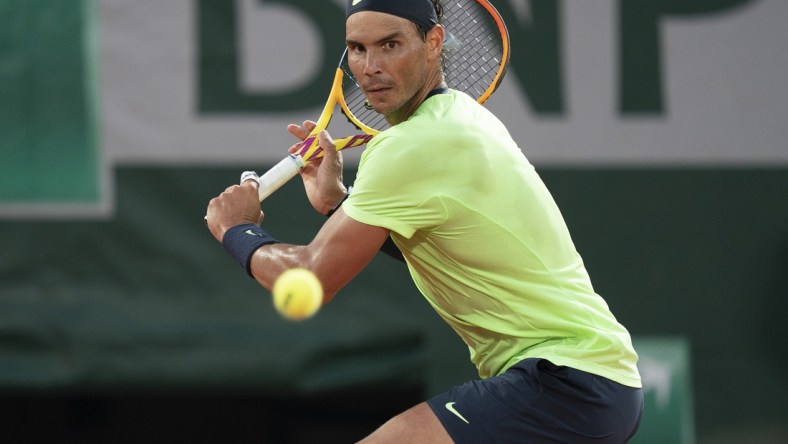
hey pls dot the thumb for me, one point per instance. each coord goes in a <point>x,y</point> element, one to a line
<point>251,184</point>
<point>328,145</point>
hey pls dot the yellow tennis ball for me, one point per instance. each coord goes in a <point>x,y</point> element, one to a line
<point>298,294</point>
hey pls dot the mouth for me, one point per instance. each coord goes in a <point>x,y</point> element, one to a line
<point>376,91</point>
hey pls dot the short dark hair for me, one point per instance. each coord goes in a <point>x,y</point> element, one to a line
<point>422,30</point>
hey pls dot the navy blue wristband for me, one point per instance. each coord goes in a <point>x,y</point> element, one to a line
<point>241,241</point>
<point>344,198</point>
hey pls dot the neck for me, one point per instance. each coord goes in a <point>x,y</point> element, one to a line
<point>403,113</point>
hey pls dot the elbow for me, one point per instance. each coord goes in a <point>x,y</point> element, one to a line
<point>329,290</point>
<point>327,297</point>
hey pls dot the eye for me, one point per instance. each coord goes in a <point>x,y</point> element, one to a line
<point>390,45</point>
<point>355,48</point>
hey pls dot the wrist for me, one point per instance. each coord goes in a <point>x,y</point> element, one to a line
<point>341,201</point>
<point>241,242</point>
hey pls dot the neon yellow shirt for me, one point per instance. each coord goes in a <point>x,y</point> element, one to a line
<point>485,242</point>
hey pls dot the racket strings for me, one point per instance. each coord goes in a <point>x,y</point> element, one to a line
<point>474,66</point>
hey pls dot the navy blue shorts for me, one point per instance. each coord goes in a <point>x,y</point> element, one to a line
<point>536,401</point>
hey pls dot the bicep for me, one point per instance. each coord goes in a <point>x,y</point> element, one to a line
<point>343,248</point>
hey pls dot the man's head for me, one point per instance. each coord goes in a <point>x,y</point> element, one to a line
<point>394,50</point>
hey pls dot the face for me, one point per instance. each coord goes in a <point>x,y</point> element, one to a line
<point>391,62</point>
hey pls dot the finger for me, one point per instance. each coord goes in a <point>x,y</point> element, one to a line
<point>298,131</point>
<point>296,148</point>
<point>327,143</point>
<point>301,132</point>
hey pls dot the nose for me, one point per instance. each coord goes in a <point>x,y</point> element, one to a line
<point>371,63</point>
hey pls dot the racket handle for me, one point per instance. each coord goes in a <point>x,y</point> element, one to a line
<point>291,165</point>
<point>277,176</point>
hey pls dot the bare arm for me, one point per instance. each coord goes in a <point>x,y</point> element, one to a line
<point>341,249</point>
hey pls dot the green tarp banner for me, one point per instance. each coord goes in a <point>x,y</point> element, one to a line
<point>49,161</point>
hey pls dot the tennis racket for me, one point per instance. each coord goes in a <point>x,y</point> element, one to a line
<point>348,96</point>
<point>475,58</point>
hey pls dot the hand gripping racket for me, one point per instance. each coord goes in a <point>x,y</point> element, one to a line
<point>346,94</point>
<point>476,55</point>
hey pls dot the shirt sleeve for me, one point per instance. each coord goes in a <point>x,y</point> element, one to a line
<point>392,187</point>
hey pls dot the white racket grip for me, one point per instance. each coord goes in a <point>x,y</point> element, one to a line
<point>278,175</point>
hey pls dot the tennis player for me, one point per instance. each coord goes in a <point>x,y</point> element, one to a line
<point>448,191</point>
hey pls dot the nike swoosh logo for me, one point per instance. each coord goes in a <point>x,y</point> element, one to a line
<point>355,2</point>
<point>252,233</point>
<point>450,407</point>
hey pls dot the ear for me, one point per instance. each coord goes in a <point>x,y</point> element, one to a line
<point>435,41</point>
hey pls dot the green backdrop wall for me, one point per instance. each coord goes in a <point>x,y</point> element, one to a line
<point>142,311</point>
<point>149,301</point>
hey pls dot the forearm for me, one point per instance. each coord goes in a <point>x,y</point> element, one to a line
<point>270,261</point>
<point>341,249</point>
